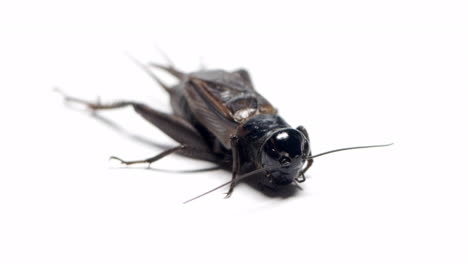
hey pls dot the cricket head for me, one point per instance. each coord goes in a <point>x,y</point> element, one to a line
<point>283,155</point>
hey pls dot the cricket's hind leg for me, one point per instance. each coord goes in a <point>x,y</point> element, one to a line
<point>192,144</point>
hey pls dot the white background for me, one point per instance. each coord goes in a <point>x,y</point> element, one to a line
<point>352,72</point>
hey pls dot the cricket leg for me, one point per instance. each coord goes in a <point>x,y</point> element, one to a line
<point>192,143</point>
<point>95,105</point>
<point>235,164</point>
<point>152,159</point>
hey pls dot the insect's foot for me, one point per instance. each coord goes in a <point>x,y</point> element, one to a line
<point>131,162</point>
<point>301,178</point>
<point>119,159</point>
<point>73,100</point>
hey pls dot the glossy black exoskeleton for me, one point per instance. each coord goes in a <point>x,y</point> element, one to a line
<point>218,116</point>
<point>268,142</point>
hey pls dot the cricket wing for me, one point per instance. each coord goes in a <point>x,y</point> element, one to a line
<point>221,101</point>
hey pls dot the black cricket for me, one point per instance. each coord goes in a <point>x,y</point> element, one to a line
<point>219,117</point>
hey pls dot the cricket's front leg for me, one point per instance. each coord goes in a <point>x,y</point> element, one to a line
<point>235,164</point>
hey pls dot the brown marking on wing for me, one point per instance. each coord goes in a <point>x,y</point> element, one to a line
<point>267,108</point>
<point>213,100</point>
<point>210,114</point>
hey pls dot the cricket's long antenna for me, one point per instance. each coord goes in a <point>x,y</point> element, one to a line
<point>341,149</point>
<point>243,176</point>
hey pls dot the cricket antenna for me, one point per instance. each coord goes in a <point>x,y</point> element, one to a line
<point>243,176</point>
<point>341,149</point>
